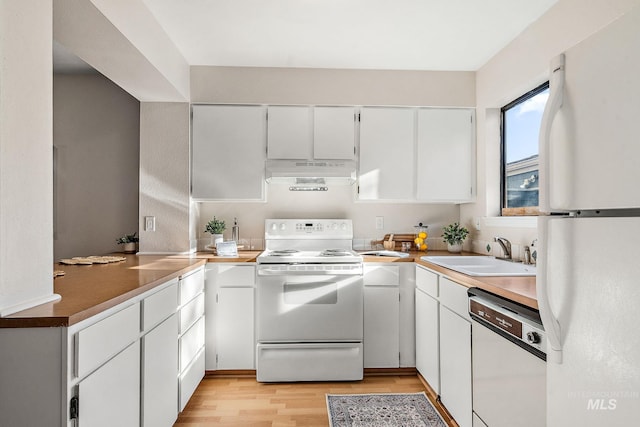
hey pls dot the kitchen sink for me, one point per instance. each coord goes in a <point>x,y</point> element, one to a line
<point>482,265</point>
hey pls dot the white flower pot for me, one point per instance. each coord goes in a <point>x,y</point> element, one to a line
<point>130,248</point>
<point>457,248</point>
<point>215,238</point>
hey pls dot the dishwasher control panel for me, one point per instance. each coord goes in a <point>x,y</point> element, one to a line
<point>515,322</point>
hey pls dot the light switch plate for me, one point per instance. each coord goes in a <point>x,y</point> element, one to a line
<point>149,223</point>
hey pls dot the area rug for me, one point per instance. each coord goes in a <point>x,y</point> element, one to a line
<point>382,410</point>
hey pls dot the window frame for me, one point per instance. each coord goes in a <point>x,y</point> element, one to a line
<point>526,210</point>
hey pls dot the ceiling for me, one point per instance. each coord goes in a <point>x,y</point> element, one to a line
<point>345,34</point>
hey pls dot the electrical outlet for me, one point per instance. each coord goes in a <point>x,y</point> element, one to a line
<point>149,223</point>
<point>379,223</point>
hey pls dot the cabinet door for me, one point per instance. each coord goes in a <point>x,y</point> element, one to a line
<point>446,155</point>
<point>427,341</point>
<point>334,133</point>
<point>223,138</point>
<point>160,374</point>
<point>455,365</point>
<point>290,132</point>
<point>386,154</point>
<point>234,328</point>
<point>110,396</point>
<point>381,327</point>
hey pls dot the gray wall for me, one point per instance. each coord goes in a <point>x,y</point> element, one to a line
<point>96,128</point>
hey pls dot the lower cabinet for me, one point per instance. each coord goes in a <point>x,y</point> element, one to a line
<point>230,334</point>
<point>455,365</point>
<point>381,327</point>
<point>443,341</point>
<point>159,382</point>
<point>427,339</point>
<point>110,396</point>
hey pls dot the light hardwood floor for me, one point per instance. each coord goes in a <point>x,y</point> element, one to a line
<point>240,401</point>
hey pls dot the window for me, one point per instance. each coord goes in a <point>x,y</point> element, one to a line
<point>520,127</point>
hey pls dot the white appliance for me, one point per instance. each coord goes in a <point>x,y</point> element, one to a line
<point>588,280</point>
<point>508,362</point>
<point>309,302</point>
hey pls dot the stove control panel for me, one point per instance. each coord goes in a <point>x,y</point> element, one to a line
<point>308,228</point>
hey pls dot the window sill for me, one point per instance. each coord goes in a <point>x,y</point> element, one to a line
<point>512,221</point>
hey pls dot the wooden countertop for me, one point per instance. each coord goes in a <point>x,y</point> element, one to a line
<point>87,290</point>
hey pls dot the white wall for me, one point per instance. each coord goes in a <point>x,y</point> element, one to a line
<point>26,225</point>
<point>164,177</point>
<point>519,67</point>
<point>237,85</point>
<point>96,135</point>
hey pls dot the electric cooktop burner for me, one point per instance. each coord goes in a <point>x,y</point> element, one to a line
<point>284,252</point>
<point>336,252</point>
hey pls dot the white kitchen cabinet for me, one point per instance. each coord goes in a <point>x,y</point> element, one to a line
<point>445,155</point>
<point>159,368</point>
<point>443,341</point>
<point>236,343</point>
<point>290,132</point>
<point>381,316</point>
<point>191,338</point>
<point>387,151</point>
<point>223,137</point>
<point>230,335</point>
<point>427,339</point>
<point>455,366</point>
<point>110,396</point>
<point>334,133</point>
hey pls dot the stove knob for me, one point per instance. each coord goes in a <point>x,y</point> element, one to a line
<point>282,226</point>
<point>533,337</point>
<point>334,226</point>
<point>343,226</point>
<point>274,226</point>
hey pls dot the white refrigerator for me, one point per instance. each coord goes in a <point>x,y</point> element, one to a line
<point>588,280</point>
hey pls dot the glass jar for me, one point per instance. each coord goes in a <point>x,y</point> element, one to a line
<point>421,235</point>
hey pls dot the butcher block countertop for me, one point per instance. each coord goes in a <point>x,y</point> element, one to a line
<point>519,289</point>
<point>87,290</point>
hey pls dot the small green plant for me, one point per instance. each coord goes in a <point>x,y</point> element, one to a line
<point>454,234</point>
<point>127,238</point>
<point>215,226</point>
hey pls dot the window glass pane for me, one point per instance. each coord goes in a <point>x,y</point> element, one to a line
<point>521,125</point>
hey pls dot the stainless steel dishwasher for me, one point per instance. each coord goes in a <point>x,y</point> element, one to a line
<point>509,362</point>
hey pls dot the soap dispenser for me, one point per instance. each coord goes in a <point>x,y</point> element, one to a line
<point>235,231</point>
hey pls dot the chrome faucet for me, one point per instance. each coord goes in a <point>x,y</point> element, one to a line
<point>506,246</point>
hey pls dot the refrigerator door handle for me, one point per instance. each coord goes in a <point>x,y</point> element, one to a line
<point>550,322</point>
<point>554,102</point>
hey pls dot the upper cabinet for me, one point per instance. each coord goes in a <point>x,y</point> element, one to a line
<point>445,155</point>
<point>311,133</point>
<point>387,143</point>
<point>422,155</point>
<point>334,133</point>
<point>290,132</point>
<point>223,137</point>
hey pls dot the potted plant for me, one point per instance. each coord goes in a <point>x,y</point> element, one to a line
<point>454,235</point>
<point>215,227</point>
<point>129,241</point>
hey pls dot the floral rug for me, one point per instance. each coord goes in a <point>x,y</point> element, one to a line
<point>382,410</point>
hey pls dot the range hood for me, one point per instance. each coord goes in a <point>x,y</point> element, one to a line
<point>310,175</point>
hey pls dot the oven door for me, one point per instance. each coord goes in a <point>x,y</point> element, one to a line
<point>312,304</point>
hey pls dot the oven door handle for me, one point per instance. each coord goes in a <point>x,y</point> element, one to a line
<point>352,270</point>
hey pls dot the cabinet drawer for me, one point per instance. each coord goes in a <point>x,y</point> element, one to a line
<point>191,343</point>
<point>236,276</point>
<point>191,312</point>
<point>101,341</point>
<point>159,306</point>
<point>190,379</point>
<point>191,285</point>
<point>454,296</point>
<point>427,281</point>
<point>381,275</point>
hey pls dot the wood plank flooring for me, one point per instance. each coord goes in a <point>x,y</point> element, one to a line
<point>242,401</point>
